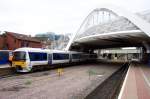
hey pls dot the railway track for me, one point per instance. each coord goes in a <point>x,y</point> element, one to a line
<point>9,72</point>
<point>6,72</point>
<point>110,88</point>
<point>33,77</point>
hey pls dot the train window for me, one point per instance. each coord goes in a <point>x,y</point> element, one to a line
<point>44,56</point>
<point>75,56</point>
<point>93,56</point>
<point>31,55</point>
<point>60,56</point>
<point>36,56</point>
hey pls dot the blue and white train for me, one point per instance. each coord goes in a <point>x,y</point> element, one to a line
<point>25,59</point>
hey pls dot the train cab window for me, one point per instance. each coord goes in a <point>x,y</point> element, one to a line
<point>20,55</point>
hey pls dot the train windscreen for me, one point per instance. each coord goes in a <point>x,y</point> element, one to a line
<point>20,55</point>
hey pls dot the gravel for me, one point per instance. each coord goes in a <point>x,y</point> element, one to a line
<point>76,82</point>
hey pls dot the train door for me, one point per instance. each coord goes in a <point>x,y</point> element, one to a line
<point>49,59</point>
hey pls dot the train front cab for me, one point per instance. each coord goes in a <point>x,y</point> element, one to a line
<point>21,61</point>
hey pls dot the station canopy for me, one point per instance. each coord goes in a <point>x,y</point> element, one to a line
<point>113,27</point>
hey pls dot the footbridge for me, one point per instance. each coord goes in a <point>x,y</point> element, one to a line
<point>108,27</point>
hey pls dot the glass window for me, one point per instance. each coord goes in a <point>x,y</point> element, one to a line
<point>75,56</point>
<point>44,56</point>
<point>22,43</point>
<point>20,55</point>
<point>36,56</point>
<point>60,56</point>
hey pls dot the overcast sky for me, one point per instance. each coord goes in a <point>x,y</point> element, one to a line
<point>59,16</point>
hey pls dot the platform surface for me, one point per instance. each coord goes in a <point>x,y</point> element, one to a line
<point>5,66</point>
<point>136,84</point>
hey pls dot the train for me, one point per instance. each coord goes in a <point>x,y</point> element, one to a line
<point>4,56</point>
<point>27,59</point>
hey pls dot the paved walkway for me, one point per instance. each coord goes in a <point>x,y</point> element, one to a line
<point>136,84</point>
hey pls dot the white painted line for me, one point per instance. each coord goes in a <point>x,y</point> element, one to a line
<point>147,81</point>
<point>124,83</point>
<point>99,75</point>
<point>5,66</point>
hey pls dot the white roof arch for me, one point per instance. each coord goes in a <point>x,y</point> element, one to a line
<point>142,24</point>
<point>135,19</point>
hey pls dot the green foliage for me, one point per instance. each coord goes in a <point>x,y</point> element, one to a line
<point>28,82</point>
<point>92,72</point>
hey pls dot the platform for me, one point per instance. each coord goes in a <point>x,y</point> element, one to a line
<point>5,66</point>
<point>136,84</point>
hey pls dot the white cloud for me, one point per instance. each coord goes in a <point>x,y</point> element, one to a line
<point>60,16</point>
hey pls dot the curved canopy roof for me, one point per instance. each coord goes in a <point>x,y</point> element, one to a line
<point>130,30</point>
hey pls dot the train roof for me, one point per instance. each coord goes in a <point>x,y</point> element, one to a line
<point>73,52</point>
<point>37,50</point>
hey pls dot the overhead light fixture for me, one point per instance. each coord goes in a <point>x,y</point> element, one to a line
<point>128,48</point>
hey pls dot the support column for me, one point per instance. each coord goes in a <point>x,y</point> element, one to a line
<point>146,53</point>
<point>147,46</point>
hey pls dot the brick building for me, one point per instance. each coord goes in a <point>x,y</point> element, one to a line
<point>11,41</point>
<point>1,42</point>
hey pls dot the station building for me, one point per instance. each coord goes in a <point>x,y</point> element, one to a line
<point>1,42</point>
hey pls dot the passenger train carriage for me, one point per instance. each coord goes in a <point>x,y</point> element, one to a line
<point>24,59</point>
<point>4,56</point>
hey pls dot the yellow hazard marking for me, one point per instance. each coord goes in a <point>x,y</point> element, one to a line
<point>19,63</point>
<point>60,71</point>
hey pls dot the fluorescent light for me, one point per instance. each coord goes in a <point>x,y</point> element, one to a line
<point>128,48</point>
